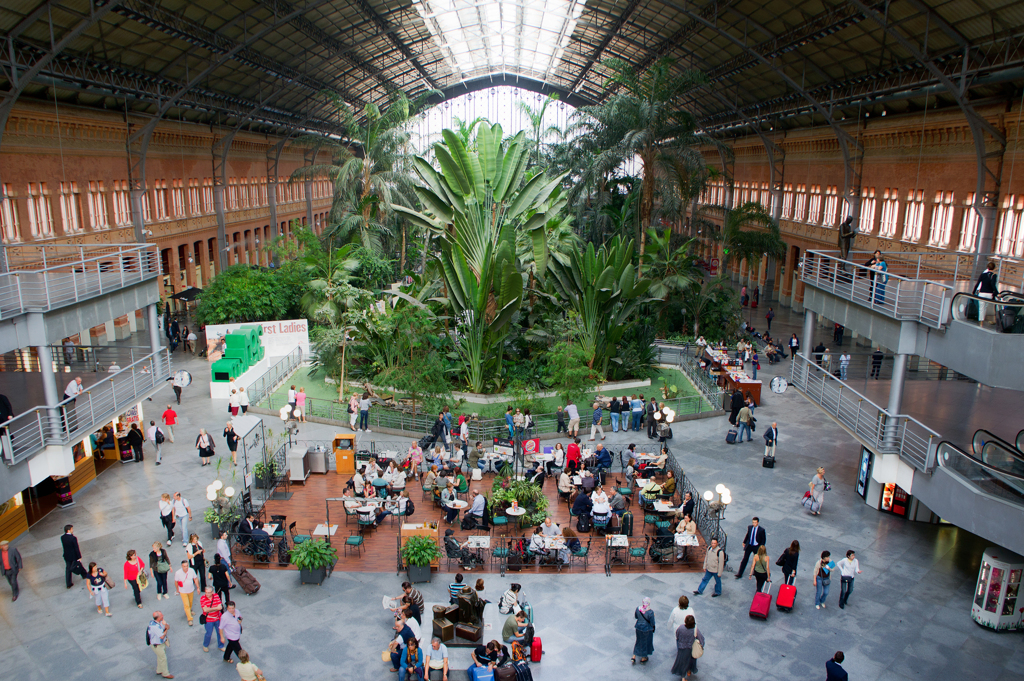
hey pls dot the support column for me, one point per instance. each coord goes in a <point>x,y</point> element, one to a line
<point>899,377</point>
<point>154,328</point>
<point>810,319</point>
<point>786,292</point>
<point>50,393</point>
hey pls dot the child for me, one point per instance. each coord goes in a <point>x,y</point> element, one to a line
<point>561,422</point>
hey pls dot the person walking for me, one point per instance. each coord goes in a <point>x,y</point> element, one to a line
<point>182,516</point>
<point>205,446</point>
<point>170,418</point>
<point>136,440</point>
<point>186,581</point>
<point>680,613</point>
<point>231,630</point>
<point>736,403</point>
<point>986,287</point>
<point>876,363</point>
<point>760,570</point>
<point>300,403</point>
<point>644,627</point>
<point>210,606</point>
<point>156,636</point>
<point>10,563</point>
<point>822,579</point>
<point>232,439</point>
<point>615,409</point>
<point>834,670</point>
<point>133,570</point>
<point>754,539</point>
<point>789,560</point>
<point>71,392</point>
<point>219,578</point>
<point>167,515</point>
<point>197,558</point>
<point>243,401</point>
<point>72,555</point>
<point>818,486</point>
<point>247,670</point>
<point>771,438</point>
<point>769,317</point>
<point>97,578</point>
<point>233,403</point>
<point>743,418</point>
<point>353,411</point>
<point>848,569</point>
<point>844,364</point>
<point>714,566</point>
<point>596,422</point>
<point>364,413</point>
<point>156,436</point>
<point>177,383</point>
<point>686,635</point>
<point>574,419</point>
<point>159,566</point>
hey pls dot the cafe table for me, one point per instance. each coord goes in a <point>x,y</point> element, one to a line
<point>685,541</point>
<point>321,530</point>
<point>516,513</point>
<point>458,504</point>
<point>614,543</point>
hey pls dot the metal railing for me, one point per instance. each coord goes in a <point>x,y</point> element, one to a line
<point>886,433</point>
<point>28,433</point>
<point>953,268</point>
<point>1008,309</point>
<point>75,358</point>
<point>684,357</point>
<point>274,376</point>
<point>43,278</point>
<point>987,478</point>
<point>862,367</point>
<point>892,295</point>
<point>709,523</point>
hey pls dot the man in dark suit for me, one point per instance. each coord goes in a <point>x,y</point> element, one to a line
<point>72,555</point>
<point>771,438</point>
<point>834,670</point>
<point>752,541</point>
<point>10,564</point>
<point>245,529</point>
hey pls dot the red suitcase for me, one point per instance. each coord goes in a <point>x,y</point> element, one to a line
<point>536,649</point>
<point>787,596</point>
<point>762,602</point>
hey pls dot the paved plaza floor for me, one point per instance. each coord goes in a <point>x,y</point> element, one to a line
<point>909,617</point>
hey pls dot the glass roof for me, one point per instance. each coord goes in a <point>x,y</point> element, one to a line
<point>481,37</point>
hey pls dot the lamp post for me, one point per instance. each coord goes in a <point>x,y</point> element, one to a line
<point>718,507</point>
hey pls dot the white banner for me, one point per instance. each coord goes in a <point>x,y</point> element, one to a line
<point>279,338</point>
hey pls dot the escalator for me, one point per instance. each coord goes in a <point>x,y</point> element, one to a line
<point>981,491</point>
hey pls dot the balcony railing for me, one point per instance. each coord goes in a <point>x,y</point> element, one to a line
<point>886,433</point>
<point>893,295</point>
<point>42,426</point>
<point>47,277</point>
<point>269,381</point>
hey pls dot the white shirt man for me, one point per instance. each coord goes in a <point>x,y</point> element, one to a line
<point>358,483</point>
<point>477,508</point>
<point>74,388</point>
<point>186,581</point>
<point>151,436</point>
<point>572,411</point>
<point>848,569</point>
<point>182,514</point>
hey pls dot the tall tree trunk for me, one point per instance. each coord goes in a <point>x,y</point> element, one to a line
<point>401,259</point>
<point>646,204</point>
<point>426,249</point>
<point>341,382</point>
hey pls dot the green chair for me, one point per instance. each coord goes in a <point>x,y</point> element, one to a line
<point>663,524</point>
<point>638,554</point>
<point>582,555</point>
<point>427,490</point>
<point>500,521</point>
<point>364,522</point>
<point>650,519</point>
<point>500,556</point>
<point>350,513</point>
<point>354,540</point>
<point>297,538</point>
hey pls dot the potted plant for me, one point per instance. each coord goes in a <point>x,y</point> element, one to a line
<point>265,474</point>
<point>418,553</point>
<point>313,558</point>
<point>223,512</point>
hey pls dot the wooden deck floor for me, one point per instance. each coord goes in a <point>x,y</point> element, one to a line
<point>307,509</point>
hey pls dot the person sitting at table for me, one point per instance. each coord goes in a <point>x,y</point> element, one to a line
<point>617,503</point>
<point>371,471</point>
<point>558,460</point>
<point>650,491</point>
<point>260,544</point>
<point>396,505</point>
<point>440,482</point>
<point>459,480</point>
<point>535,473</point>
<point>396,480</point>
<point>572,544</point>
<point>447,502</point>
<point>437,457</point>
<point>630,472</point>
<point>602,457</point>
<point>415,459</point>
<point>537,545</point>
<point>564,484</point>
<point>583,505</point>
<point>572,454</point>
<point>687,528</point>
<point>661,461</point>
<point>453,549</point>
<point>588,481</point>
<point>549,528</point>
<point>430,477</point>
<point>475,457</point>
<point>601,505</point>
<point>358,484</point>
<point>668,487</point>
<point>572,467</point>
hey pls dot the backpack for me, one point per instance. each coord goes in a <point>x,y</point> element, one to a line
<point>518,652</point>
<point>159,437</point>
<point>410,507</point>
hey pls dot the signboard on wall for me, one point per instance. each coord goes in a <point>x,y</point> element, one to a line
<point>864,473</point>
<point>279,338</point>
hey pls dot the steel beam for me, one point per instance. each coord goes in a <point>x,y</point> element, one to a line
<point>613,31</point>
<point>391,33</point>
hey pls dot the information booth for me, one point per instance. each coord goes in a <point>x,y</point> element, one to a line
<point>996,604</point>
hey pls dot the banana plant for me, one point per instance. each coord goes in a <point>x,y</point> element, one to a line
<point>604,288</point>
<point>476,203</point>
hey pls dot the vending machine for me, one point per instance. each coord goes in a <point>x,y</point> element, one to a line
<point>996,603</point>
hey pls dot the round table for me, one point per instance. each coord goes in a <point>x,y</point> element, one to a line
<point>516,513</point>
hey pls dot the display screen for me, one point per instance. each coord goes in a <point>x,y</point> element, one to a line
<point>864,473</point>
<point>895,500</point>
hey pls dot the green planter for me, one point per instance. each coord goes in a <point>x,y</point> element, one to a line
<point>314,558</point>
<point>417,554</point>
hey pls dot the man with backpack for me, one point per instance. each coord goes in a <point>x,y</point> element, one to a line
<point>156,638</point>
<point>714,566</point>
<point>156,436</point>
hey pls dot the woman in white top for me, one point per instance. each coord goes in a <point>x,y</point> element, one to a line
<point>233,403</point>
<point>243,399</point>
<point>679,614</point>
<point>602,509</point>
<point>564,485</point>
<point>558,461</point>
<point>464,432</point>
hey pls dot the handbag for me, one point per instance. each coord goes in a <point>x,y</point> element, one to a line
<point>782,559</point>
<point>827,486</point>
<point>142,579</point>
<point>385,656</point>
<point>162,566</point>
<point>202,618</point>
<point>698,650</point>
<point>109,581</point>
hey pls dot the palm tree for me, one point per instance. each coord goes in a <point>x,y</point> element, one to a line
<point>466,130</point>
<point>671,270</point>
<point>642,120</point>
<point>369,184</point>
<point>330,291</point>
<point>748,232</point>
<point>537,121</point>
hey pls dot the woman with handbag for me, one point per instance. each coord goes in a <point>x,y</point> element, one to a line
<point>232,438</point>
<point>412,662</point>
<point>822,579</point>
<point>204,443</point>
<point>689,648</point>
<point>818,486</point>
<point>788,561</point>
<point>644,627</point>
<point>159,566</point>
<point>197,558</point>
<point>135,575</point>
<point>98,585</point>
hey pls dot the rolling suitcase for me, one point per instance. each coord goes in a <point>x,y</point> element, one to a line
<point>762,602</point>
<point>506,673</point>
<point>536,649</point>
<point>250,585</point>
<point>787,596</point>
<point>730,437</point>
<point>627,524</point>
<point>523,672</point>
<point>768,462</point>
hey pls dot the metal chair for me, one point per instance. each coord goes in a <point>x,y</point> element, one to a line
<point>602,525</point>
<point>297,538</point>
<point>638,554</point>
<point>365,521</point>
<point>354,540</point>
<point>350,513</point>
<point>500,521</point>
<point>282,522</point>
<point>499,556</point>
<point>581,556</point>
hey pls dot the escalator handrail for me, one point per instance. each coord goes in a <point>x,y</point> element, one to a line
<point>1011,449</point>
<point>957,306</point>
<point>975,460</point>
<point>1019,441</point>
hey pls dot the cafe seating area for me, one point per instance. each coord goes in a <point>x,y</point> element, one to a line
<point>315,511</point>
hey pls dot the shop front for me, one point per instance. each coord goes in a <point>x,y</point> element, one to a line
<point>886,484</point>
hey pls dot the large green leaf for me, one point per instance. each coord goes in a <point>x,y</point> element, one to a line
<point>469,163</point>
<point>453,172</point>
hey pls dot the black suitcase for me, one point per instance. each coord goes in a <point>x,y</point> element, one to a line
<point>583,523</point>
<point>730,437</point>
<point>972,310</point>
<point>627,524</point>
<point>250,585</point>
<point>523,672</point>
<point>1007,318</point>
<point>768,462</point>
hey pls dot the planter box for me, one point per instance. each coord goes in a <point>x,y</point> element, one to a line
<point>418,573</point>
<point>313,576</point>
<point>265,482</point>
<point>216,529</point>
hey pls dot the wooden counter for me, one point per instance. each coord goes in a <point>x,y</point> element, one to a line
<point>344,446</point>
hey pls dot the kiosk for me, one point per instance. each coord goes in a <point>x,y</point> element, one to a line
<point>996,603</point>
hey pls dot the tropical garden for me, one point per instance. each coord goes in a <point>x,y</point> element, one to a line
<point>495,262</point>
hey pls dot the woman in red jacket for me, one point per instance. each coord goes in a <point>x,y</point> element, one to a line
<point>133,567</point>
